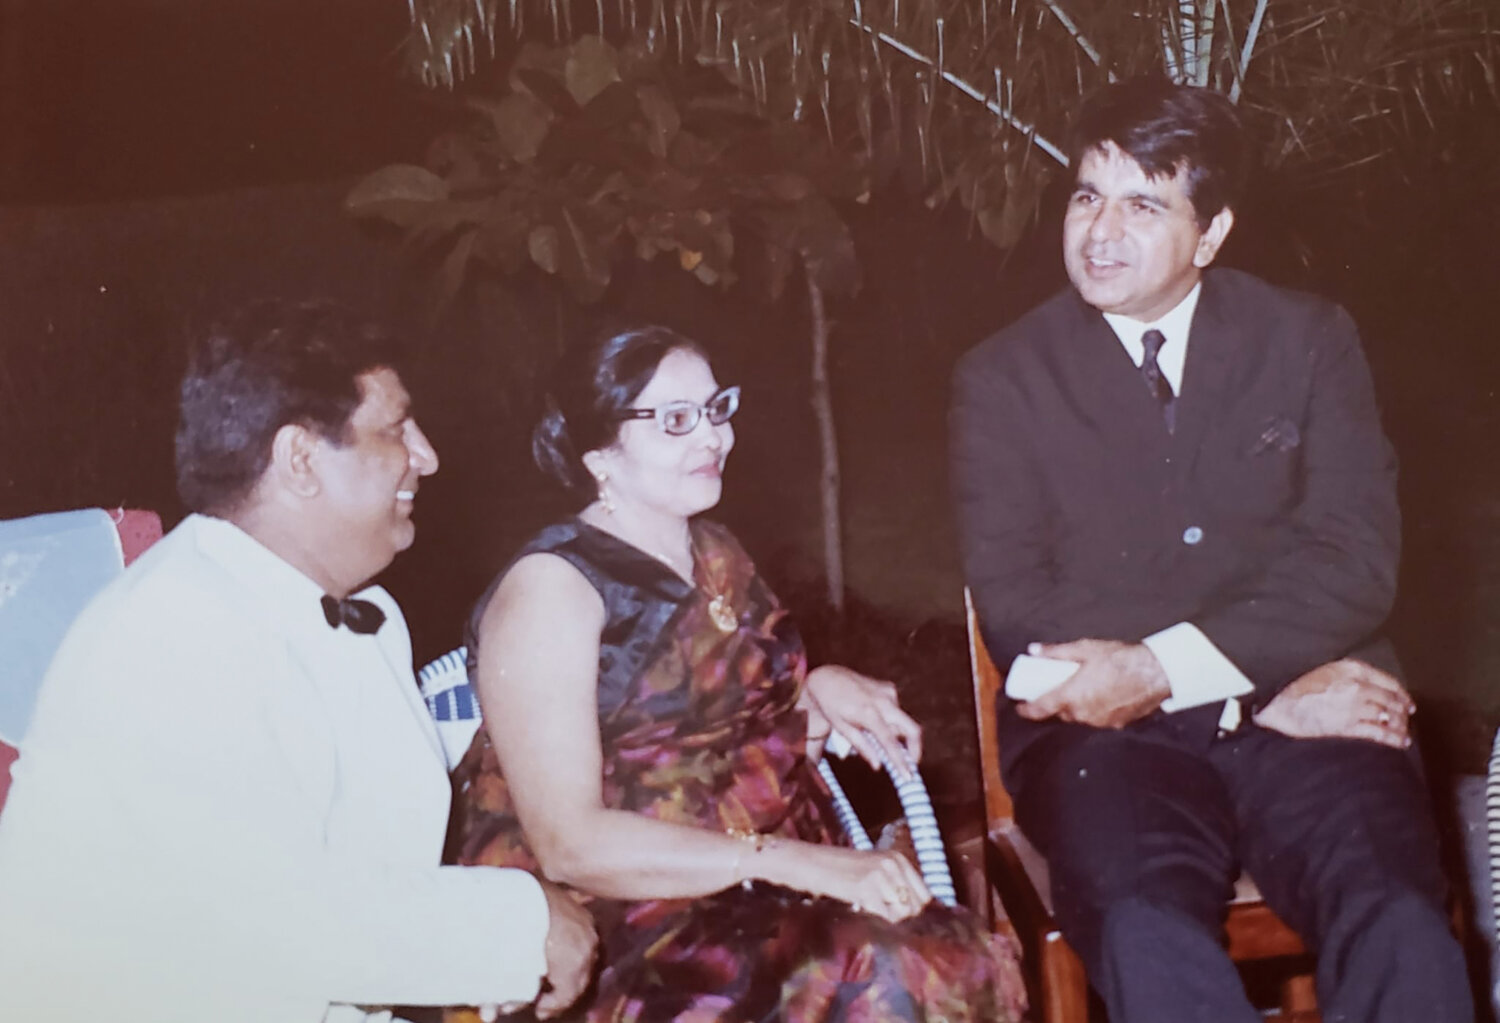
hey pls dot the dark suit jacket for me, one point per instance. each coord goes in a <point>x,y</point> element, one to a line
<point>1075,503</point>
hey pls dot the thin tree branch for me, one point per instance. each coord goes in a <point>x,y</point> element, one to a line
<point>1204,39</point>
<point>1169,53</point>
<point>828,444</point>
<point>1074,31</point>
<point>992,105</point>
<point>1187,41</point>
<point>1248,50</point>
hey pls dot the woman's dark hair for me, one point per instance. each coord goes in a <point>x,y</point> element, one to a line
<point>1163,126</point>
<point>264,366</point>
<point>592,385</point>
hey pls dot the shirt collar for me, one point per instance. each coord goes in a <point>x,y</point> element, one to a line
<point>1175,326</point>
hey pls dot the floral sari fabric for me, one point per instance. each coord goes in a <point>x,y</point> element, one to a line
<point>698,725</point>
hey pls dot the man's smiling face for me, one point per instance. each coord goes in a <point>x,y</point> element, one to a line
<point>368,481</point>
<point>1132,244</point>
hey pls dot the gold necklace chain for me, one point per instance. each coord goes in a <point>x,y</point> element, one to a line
<point>670,563</point>
<point>720,610</point>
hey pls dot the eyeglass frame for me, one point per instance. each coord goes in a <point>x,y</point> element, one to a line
<point>660,412</point>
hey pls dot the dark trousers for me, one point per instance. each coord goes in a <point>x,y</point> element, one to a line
<point>1145,835</point>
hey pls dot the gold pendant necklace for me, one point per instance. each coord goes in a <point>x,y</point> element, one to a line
<point>722,614</point>
<point>720,611</point>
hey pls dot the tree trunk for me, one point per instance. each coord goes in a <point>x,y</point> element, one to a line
<point>828,478</point>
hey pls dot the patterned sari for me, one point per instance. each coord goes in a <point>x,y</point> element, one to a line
<point>699,725</point>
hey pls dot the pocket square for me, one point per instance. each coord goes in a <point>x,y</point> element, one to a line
<point>1279,434</point>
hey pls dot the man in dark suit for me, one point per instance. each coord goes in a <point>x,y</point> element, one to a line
<point>1176,478</point>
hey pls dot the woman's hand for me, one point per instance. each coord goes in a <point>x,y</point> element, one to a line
<point>818,728</point>
<point>884,883</point>
<point>864,711</point>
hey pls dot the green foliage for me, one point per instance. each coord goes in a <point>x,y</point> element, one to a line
<point>591,153</point>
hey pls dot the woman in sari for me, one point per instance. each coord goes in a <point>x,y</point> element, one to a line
<point>651,735</point>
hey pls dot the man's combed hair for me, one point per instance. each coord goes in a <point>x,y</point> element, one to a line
<point>1165,127</point>
<point>267,365</point>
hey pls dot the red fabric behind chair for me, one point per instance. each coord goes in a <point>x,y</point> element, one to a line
<point>7,757</point>
<point>138,530</point>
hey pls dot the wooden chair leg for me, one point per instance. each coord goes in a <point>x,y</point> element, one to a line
<point>1065,989</point>
<point>966,847</point>
<point>1299,1000</point>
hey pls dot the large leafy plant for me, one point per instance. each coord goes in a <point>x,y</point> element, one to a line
<point>593,153</point>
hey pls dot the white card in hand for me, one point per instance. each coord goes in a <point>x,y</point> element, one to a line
<point>1030,677</point>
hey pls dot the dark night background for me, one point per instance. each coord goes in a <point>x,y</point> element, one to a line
<point>161,161</point>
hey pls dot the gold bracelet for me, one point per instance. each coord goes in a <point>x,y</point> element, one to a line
<point>757,841</point>
<point>755,838</point>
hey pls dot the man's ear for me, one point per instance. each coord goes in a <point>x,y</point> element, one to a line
<point>1212,238</point>
<point>293,460</point>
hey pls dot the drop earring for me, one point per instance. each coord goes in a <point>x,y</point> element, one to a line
<point>602,478</point>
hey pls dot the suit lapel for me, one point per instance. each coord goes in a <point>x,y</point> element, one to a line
<point>1214,349</point>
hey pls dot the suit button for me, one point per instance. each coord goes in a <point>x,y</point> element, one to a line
<point>1192,535</point>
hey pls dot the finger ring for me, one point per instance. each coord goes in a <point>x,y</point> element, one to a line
<point>1385,718</point>
<point>856,907</point>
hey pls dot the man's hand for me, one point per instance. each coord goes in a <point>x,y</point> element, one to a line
<point>1116,683</point>
<point>571,943</point>
<point>1343,700</point>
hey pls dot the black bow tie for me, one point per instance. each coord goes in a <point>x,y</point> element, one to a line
<point>356,615</point>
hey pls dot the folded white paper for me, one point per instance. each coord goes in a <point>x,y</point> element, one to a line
<point>1030,677</point>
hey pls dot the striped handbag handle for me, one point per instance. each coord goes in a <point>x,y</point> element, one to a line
<point>1492,816</point>
<point>916,804</point>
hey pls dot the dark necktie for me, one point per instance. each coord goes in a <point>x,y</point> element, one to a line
<point>355,615</point>
<point>1156,382</point>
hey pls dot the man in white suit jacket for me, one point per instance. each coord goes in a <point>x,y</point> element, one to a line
<point>231,802</point>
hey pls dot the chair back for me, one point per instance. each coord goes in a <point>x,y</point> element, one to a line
<point>997,805</point>
<point>50,567</point>
<point>451,701</point>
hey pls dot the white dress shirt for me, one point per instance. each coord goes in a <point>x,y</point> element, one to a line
<point>1197,671</point>
<point>225,809</point>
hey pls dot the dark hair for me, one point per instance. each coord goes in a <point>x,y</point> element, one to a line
<point>1163,127</point>
<point>593,383</point>
<point>266,365</point>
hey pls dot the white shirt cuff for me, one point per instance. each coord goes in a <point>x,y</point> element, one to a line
<point>1196,670</point>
